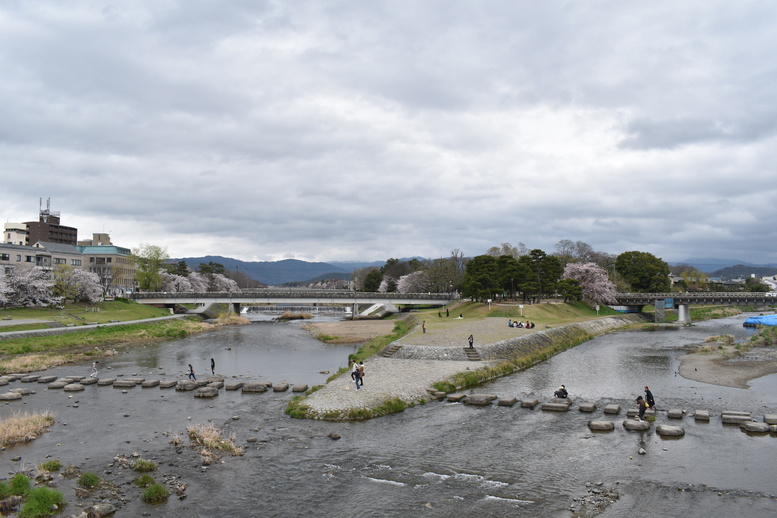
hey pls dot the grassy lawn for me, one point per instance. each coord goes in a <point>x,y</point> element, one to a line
<point>80,314</point>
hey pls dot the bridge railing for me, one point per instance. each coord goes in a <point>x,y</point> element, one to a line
<point>280,294</point>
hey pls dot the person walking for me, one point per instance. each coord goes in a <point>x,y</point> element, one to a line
<point>212,366</point>
<point>357,376</point>
<point>642,404</point>
<point>191,373</point>
<point>423,326</point>
<point>651,403</point>
<point>471,341</point>
<point>94,369</point>
<point>361,372</point>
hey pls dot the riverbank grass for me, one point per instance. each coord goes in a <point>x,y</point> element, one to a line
<point>24,427</point>
<point>210,440</point>
<point>120,310</point>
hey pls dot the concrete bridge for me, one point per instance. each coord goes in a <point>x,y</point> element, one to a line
<point>682,301</point>
<point>291,296</point>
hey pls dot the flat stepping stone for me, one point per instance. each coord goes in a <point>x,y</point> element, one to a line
<point>10,396</point>
<point>124,384</point>
<point>47,379</point>
<point>216,384</point>
<point>281,387</point>
<point>634,412</point>
<point>207,392</point>
<point>234,385</point>
<point>137,381</point>
<point>773,428</point>
<point>556,407</point>
<point>24,391</point>
<point>299,388</point>
<point>770,418</point>
<point>675,413</point>
<point>75,379</point>
<point>529,403</point>
<point>184,386</point>
<point>612,409</point>
<point>507,401</point>
<point>738,418</point>
<point>635,425</point>
<point>58,384</point>
<point>73,387</point>
<point>167,384</point>
<point>587,407</point>
<point>254,388</point>
<point>702,415</point>
<point>88,381</point>
<point>479,399</point>
<point>456,398</point>
<point>150,383</point>
<point>736,412</point>
<point>666,430</point>
<point>30,379</point>
<point>601,425</point>
<point>105,381</point>
<point>754,427</point>
<point>4,381</point>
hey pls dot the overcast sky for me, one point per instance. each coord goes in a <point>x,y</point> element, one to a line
<point>363,130</point>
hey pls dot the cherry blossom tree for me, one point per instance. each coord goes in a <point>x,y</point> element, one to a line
<point>199,282</point>
<point>415,282</point>
<point>29,286</point>
<point>596,286</point>
<point>77,284</point>
<point>221,283</point>
<point>173,283</point>
<point>5,290</point>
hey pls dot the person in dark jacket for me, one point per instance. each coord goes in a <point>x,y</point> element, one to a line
<point>561,392</point>
<point>651,403</point>
<point>643,405</point>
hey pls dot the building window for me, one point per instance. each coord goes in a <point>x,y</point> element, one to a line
<point>29,259</point>
<point>75,262</point>
<point>59,260</point>
<point>18,258</point>
<point>5,257</point>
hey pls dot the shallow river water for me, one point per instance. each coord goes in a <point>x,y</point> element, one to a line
<point>439,459</point>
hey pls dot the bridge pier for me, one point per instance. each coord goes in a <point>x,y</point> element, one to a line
<point>684,314</point>
<point>660,314</point>
<point>234,307</point>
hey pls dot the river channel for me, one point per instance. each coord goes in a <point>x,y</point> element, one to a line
<point>435,460</point>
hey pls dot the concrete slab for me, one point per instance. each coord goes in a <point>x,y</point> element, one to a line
<point>529,403</point>
<point>587,407</point>
<point>508,401</point>
<point>612,409</point>
<point>675,413</point>
<point>702,415</point>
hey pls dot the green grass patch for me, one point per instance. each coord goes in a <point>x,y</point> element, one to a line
<point>23,327</point>
<point>20,484</point>
<point>144,480</point>
<point>50,465</point>
<point>88,480</point>
<point>154,494</point>
<point>41,502</point>
<point>144,466</point>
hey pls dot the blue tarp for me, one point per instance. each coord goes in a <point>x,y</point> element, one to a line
<point>765,320</point>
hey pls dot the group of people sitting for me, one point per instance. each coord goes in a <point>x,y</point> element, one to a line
<point>527,325</point>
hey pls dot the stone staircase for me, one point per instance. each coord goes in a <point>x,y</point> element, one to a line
<point>472,354</point>
<point>389,351</point>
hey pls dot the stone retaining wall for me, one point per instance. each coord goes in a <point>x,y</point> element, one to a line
<point>519,345</point>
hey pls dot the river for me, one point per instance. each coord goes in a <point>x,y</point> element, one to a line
<point>437,460</point>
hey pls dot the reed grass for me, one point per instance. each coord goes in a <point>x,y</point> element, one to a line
<point>24,426</point>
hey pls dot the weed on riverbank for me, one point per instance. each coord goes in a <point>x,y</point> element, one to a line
<point>24,427</point>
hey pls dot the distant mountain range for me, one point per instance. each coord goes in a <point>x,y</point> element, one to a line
<point>714,266</point>
<point>274,273</point>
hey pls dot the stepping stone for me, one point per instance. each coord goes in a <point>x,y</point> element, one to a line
<point>23,391</point>
<point>738,418</point>
<point>754,427</point>
<point>216,384</point>
<point>73,387</point>
<point>106,381</point>
<point>601,425</point>
<point>612,409</point>
<point>30,379</point>
<point>47,379</point>
<point>234,385</point>
<point>479,399</point>
<point>88,381</point>
<point>281,387</point>
<point>4,381</point>
<point>702,415</point>
<point>137,381</point>
<point>10,396</point>
<point>207,392</point>
<point>299,388</point>
<point>58,384</point>
<point>254,388</point>
<point>675,413</point>
<point>636,426</point>
<point>665,430</point>
<point>183,386</point>
<point>770,418</point>
<point>123,384</point>
<point>167,384</point>
<point>508,401</point>
<point>75,379</point>
<point>529,403</point>
<point>634,412</point>
<point>150,383</point>
<point>773,428</point>
<point>556,407</point>
<point>456,398</point>
<point>587,407</point>
<point>439,395</point>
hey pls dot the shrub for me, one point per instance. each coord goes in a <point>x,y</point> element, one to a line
<point>20,484</point>
<point>144,466</point>
<point>154,494</point>
<point>50,465</point>
<point>42,501</point>
<point>144,480</point>
<point>88,480</point>
<point>5,490</point>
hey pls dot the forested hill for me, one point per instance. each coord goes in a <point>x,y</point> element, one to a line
<point>274,273</point>
<point>744,271</point>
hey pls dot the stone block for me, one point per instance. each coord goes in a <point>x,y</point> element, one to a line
<point>150,383</point>
<point>507,401</point>
<point>587,407</point>
<point>165,384</point>
<point>601,425</point>
<point>439,395</point>
<point>675,413</point>
<point>137,381</point>
<point>665,430</point>
<point>124,384</point>
<point>738,418</point>
<point>254,387</point>
<point>10,396</point>
<point>216,384</point>
<point>770,418</point>
<point>88,381</point>
<point>206,392</point>
<point>73,387</point>
<point>57,384</point>
<point>30,379</point>
<point>636,425</point>
<point>754,427</point>
<point>183,386</point>
<point>479,399</point>
<point>299,388</point>
<point>529,403</point>
<point>702,415</point>
<point>555,407</point>
<point>105,381</point>
<point>24,391</point>
<point>455,398</point>
<point>234,385</point>
<point>47,379</point>
<point>280,387</point>
<point>612,409</point>
<point>4,380</point>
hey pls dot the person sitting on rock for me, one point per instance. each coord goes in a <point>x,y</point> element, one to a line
<point>561,393</point>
